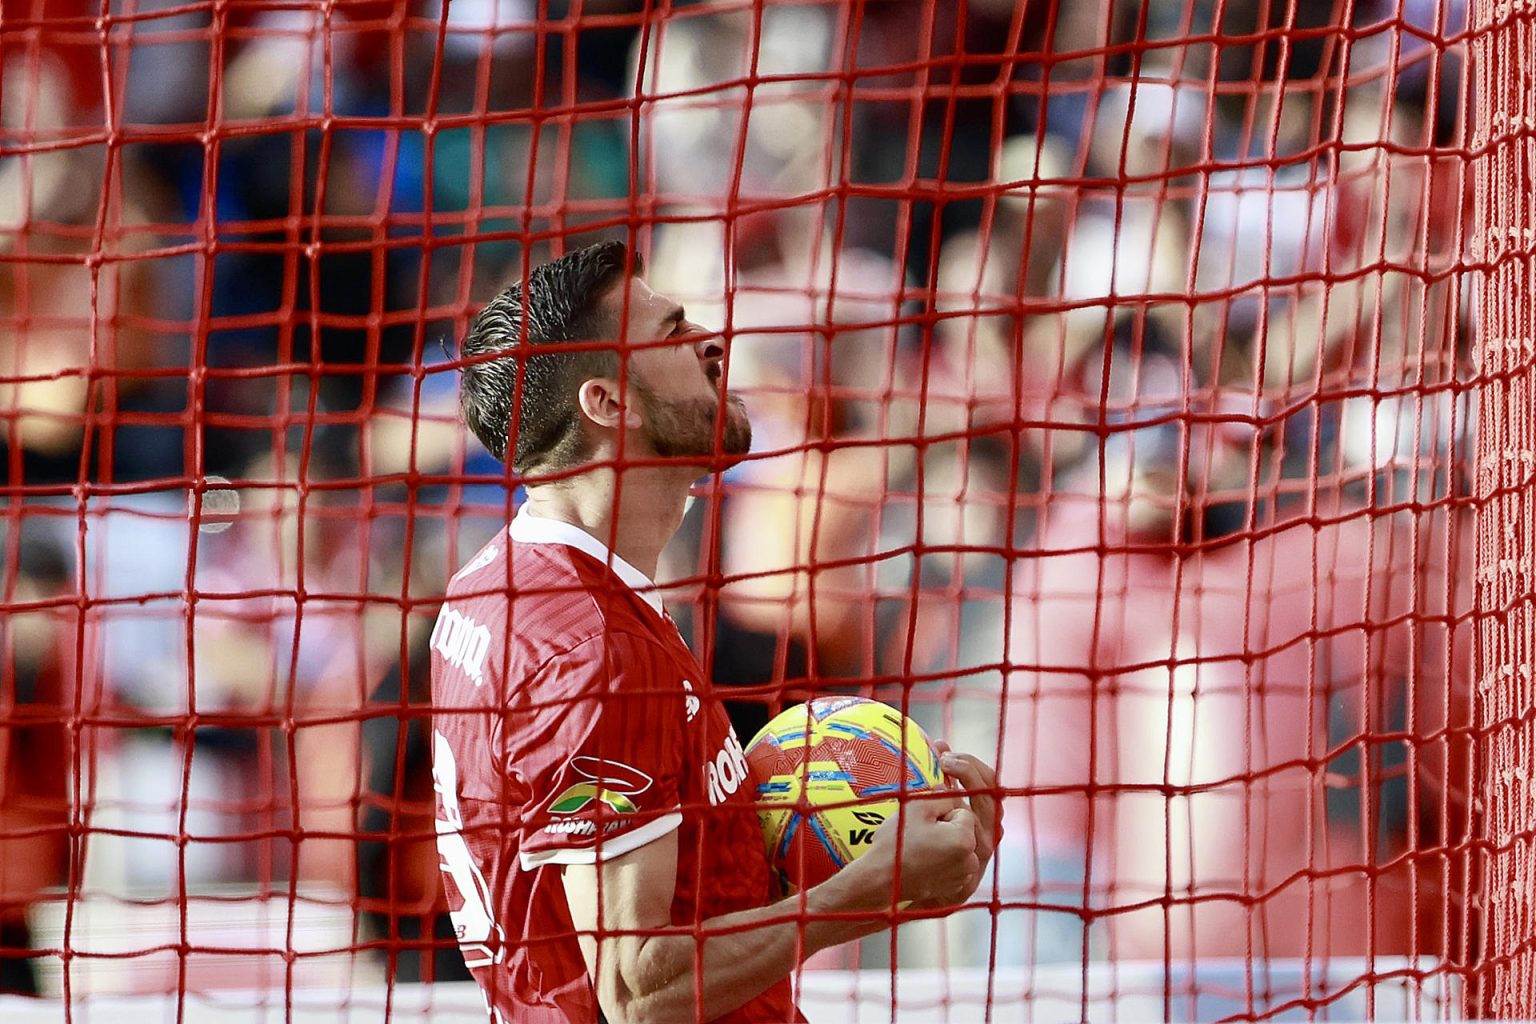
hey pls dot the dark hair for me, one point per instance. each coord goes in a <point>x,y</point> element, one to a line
<point>563,304</point>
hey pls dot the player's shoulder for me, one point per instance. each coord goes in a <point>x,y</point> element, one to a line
<point>621,648</point>
<point>609,664</point>
<point>552,597</point>
<point>507,570</point>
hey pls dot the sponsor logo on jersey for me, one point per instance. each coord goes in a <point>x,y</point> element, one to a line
<point>462,642</point>
<point>577,797</point>
<point>612,783</point>
<point>690,702</point>
<point>486,556</point>
<point>727,771</point>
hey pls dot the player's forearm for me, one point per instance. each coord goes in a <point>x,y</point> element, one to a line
<point>746,952</point>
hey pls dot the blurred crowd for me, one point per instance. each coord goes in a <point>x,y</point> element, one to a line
<point>1109,409</point>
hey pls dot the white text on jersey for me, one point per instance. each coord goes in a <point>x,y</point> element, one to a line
<point>463,642</point>
<point>727,771</point>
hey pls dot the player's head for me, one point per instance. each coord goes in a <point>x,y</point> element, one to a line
<point>570,399</point>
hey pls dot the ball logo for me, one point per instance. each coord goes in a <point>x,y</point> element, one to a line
<point>462,642</point>
<point>871,820</point>
<point>826,707</point>
<point>727,771</point>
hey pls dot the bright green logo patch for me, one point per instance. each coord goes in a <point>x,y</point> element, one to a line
<point>577,797</point>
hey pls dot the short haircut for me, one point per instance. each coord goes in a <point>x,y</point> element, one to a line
<point>563,304</point>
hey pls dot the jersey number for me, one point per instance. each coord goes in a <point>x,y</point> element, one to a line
<point>480,938</point>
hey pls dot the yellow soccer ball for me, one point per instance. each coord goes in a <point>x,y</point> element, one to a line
<point>830,772</point>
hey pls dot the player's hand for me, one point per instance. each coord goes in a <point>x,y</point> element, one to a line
<point>926,855</point>
<point>978,781</point>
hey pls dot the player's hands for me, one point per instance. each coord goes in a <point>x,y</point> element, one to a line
<point>978,781</point>
<point>926,855</point>
<point>944,846</point>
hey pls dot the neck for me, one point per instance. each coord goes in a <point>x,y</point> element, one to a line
<point>633,515</point>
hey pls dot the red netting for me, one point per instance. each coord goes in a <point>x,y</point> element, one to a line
<point>1112,374</point>
<point>1503,142</point>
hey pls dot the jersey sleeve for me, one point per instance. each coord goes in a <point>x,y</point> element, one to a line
<point>603,760</point>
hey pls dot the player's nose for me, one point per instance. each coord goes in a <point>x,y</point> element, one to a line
<point>709,346</point>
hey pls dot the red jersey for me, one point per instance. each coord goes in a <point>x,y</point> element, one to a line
<point>572,722</point>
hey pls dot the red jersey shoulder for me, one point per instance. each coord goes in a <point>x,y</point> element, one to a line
<point>513,607</point>
<point>552,588</point>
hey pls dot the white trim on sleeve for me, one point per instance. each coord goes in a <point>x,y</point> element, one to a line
<point>615,847</point>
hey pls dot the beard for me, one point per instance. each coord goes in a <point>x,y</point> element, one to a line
<point>685,428</point>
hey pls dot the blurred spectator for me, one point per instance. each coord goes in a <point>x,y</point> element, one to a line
<point>814,344</point>
<point>1248,676</point>
<point>316,657</point>
<point>707,142</point>
<point>402,902</point>
<point>927,111</point>
<point>995,358</point>
<point>79,334</point>
<point>37,696</point>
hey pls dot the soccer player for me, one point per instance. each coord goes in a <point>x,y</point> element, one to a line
<point>596,825</point>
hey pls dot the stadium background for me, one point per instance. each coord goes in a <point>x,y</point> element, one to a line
<point>1113,380</point>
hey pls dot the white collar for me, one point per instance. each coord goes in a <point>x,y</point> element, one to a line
<point>527,528</point>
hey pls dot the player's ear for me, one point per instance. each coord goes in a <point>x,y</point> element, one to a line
<point>603,403</point>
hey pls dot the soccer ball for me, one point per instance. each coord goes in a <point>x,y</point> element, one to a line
<point>828,774</point>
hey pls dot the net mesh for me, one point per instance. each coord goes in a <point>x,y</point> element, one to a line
<point>1505,488</point>
<point>1113,380</point>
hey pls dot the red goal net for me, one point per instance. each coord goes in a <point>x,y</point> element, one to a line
<point>1142,397</point>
